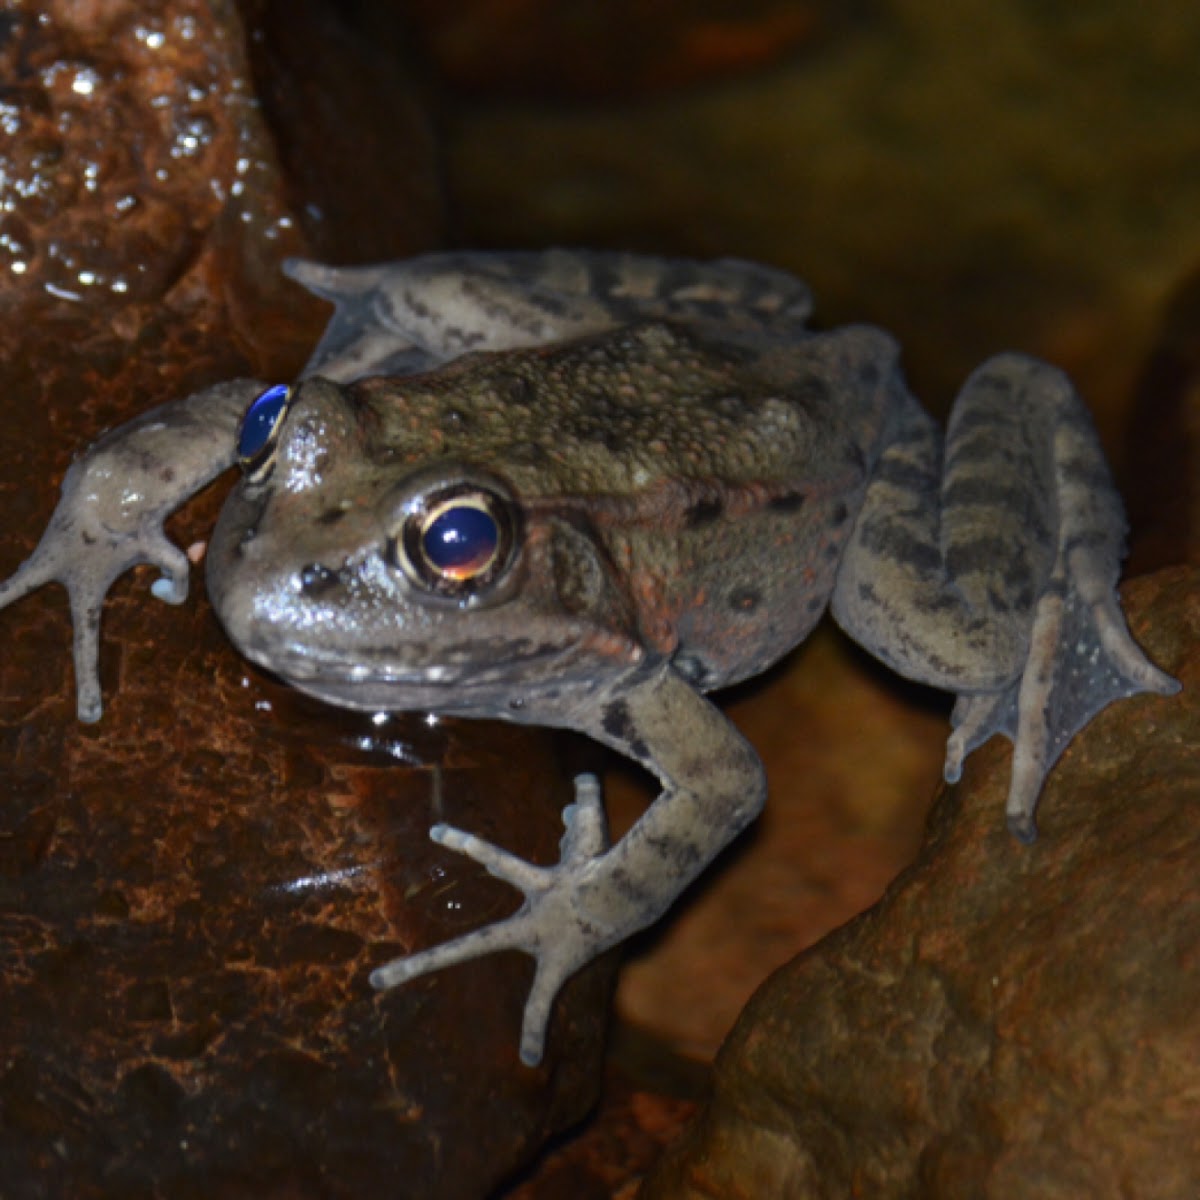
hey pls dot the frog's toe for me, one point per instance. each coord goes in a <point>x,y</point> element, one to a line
<point>39,569</point>
<point>539,934</point>
<point>522,931</point>
<point>46,565</point>
<point>1082,658</point>
<point>975,718</point>
<point>1022,827</point>
<point>585,838</point>
<point>586,831</point>
<point>524,876</point>
<point>504,935</point>
<point>85,621</point>
<point>547,981</point>
<point>552,926</point>
<point>171,587</point>
<point>1125,655</point>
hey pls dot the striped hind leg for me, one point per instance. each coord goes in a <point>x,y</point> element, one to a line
<point>988,567</point>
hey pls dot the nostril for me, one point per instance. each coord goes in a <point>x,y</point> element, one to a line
<point>315,579</point>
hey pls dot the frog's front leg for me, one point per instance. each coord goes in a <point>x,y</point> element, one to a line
<point>114,500</point>
<point>595,896</point>
<point>992,573</point>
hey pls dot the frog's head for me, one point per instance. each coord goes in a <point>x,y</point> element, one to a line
<point>376,577</point>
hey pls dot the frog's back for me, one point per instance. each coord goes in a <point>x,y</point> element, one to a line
<point>720,475</point>
<point>746,564</point>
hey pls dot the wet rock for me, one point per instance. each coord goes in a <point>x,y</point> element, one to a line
<point>193,891</point>
<point>1007,1021</point>
<point>132,145</point>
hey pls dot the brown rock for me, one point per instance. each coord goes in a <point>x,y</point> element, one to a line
<point>132,146</point>
<point>193,891</point>
<point>619,1144</point>
<point>1006,1021</point>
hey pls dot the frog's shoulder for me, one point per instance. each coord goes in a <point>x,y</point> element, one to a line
<point>404,317</point>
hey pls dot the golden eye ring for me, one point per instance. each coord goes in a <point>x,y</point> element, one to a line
<point>458,540</point>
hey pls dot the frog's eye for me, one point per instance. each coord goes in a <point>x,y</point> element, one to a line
<point>260,429</point>
<point>458,540</point>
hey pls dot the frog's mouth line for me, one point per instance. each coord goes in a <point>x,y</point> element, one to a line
<point>491,669</point>
<point>518,690</point>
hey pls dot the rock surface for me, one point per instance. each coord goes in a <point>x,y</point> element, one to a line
<point>1007,1021</point>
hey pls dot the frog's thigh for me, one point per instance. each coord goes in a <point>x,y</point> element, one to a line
<point>951,554</point>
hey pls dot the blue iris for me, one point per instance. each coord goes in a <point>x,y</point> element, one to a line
<point>261,421</point>
<point>461,541</point>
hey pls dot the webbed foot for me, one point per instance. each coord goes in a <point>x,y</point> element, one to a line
<point>1081,658</point>
<point>552,926</point>
<point>110,515</point>
<point>85,551</point>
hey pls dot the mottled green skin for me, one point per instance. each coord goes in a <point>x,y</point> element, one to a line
<point>718,486</point>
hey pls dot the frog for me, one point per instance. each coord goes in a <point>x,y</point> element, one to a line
<point>585,489</point>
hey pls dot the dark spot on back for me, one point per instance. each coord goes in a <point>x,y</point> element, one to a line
<point>620,727</point>
<point>525,453</point>
<point>616,720</point>
<point>703,512</point>
<point>745,599</point>
<point>518,390</point>
<point>331,516</point>
<point>790,502</point>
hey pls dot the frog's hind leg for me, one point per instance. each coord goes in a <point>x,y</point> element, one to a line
<point>992,572</point>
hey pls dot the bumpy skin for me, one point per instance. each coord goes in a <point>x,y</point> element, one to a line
<point>679,479</point>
